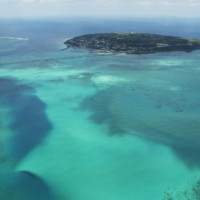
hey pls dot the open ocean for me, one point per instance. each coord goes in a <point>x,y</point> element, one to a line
<point>79,125</point>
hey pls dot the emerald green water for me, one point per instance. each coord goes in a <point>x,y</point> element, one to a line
<point>120,130</point>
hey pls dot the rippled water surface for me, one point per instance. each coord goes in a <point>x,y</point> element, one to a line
<point>78,125</point>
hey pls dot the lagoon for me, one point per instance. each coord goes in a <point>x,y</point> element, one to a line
<point>92,126</point>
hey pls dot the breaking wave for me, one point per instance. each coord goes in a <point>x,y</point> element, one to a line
<point>13,38</point>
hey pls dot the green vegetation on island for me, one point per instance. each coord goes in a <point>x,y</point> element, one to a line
<point>133,43</point>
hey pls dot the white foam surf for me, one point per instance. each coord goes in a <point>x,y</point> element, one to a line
<point>13,38</point>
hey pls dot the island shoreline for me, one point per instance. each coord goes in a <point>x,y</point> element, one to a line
<point>133,43</point>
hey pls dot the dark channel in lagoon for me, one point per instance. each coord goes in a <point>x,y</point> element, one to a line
<point>158,116</point>
<point>24,185</point>
<point>29,126</point>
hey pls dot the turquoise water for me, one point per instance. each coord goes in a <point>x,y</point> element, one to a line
<point>80,125</point>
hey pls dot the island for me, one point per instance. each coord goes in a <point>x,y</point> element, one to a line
<point>133,43</point>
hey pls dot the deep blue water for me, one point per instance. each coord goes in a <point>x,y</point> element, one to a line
<point>47,31</point>
<point>90,126</point>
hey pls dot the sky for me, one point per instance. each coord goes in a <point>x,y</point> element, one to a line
<point>104,8</point>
